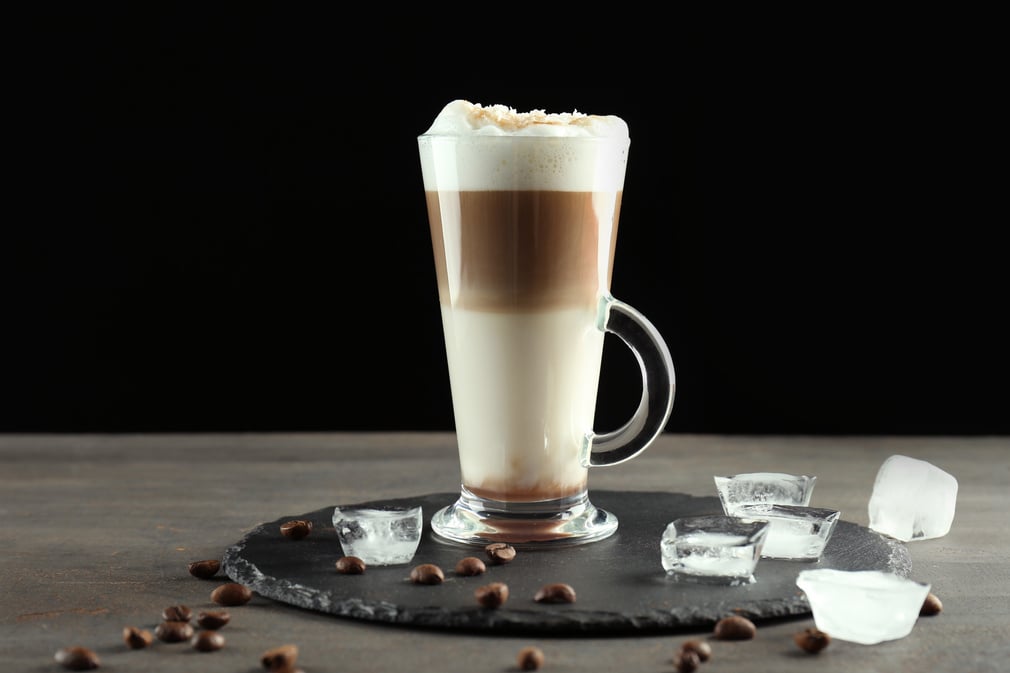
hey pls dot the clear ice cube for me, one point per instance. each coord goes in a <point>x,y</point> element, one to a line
<point>753,488</point>
<point>713,549</point>
<point>912,499</point>
<point>862,606</point>
<point>797,533</point>
<point>379,535</point>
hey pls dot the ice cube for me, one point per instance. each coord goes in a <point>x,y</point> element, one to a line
<point>379,535</point>
<point>912,499</point>
<point>862,606</point>
<point>797,533</point>
<point>763,487</point>
<point>713,549</point>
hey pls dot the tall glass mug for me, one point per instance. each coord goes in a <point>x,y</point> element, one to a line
<point>523,209</point>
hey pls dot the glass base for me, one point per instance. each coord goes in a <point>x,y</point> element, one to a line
<point>473,520</point>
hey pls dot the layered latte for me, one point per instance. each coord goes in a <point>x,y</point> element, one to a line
<point>523,209</point>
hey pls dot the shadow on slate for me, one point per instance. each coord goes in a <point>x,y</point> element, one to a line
<point>620,583</point>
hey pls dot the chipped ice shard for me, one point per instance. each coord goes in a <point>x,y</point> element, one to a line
<point>379,535</point>
<point>912,499</point>
<point>753,488</point>
<point>796,533</point>
<point>713,549</point>
<point>862,606</point>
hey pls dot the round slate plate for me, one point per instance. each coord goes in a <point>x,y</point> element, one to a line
<point>620,583</point>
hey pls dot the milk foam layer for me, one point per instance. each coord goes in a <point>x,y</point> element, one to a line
<point>465,149</point>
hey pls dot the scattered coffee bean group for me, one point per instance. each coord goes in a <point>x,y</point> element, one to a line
<point>691,655</point>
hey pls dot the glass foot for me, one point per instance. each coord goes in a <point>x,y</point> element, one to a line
<point>568,521</point>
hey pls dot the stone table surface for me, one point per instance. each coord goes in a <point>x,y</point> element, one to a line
<point>99,530</point>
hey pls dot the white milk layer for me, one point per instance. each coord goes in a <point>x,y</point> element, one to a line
<point>524,394</point>
<point>474,148</point>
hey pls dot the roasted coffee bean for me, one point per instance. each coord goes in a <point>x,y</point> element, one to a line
<point>213,619</point>
<point>280,658</point>
<point>686,661</point>
<point>530,658</point>
<point>470,566</point>
<point>812,640</point>
<point>77,659</point>
<point>699,647</point>
<point>231,593</point>
<point>734,628</point>
<point>427,573</point>
<point>204,569</point>
<point>492,595</point>
<point>296,529</point>
<point>137,639</point>
<point>558,592</point>
<point>931,606</point>
<point>500,553</point>
<point>350,565</point>
<point>173,632</point>
<point>177,613</point>
<point>207,641</point>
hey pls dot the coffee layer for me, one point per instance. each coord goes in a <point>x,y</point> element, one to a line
<point>522,250</point>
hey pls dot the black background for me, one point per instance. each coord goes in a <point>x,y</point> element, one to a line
<point>216,221</point>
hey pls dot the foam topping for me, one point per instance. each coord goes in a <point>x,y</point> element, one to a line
<point>463,118</point>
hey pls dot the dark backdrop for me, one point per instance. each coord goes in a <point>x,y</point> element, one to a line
<point>216,222</point>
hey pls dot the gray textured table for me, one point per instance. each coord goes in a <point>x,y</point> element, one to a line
<point>98,532</point>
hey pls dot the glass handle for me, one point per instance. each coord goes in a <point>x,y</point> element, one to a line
<point>658,385</point>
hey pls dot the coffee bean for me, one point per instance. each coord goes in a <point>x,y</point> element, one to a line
<point>470,566</point>
<point>734,628</point>
<point>177,613</point>
<point>500,553</point>
<point>492,595</point>
<point>555,593</point>
<point>812,640</point>
<point>77,659</point>
<point>213,619</point>
<point>699,647</point>
<point>207,641</point>
<point>204,569</point>
<point>931,606</point>
<point>296,529</point>
<point>137,639</point>
<point>231,593</point>
<point>530,658</point>
<point>686,661</point>
<point>280,658</point>
<point>427,573</point>
<point>350,565</point>
<point>173,632</point>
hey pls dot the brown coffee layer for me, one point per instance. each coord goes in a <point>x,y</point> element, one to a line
<point>522,250</point>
